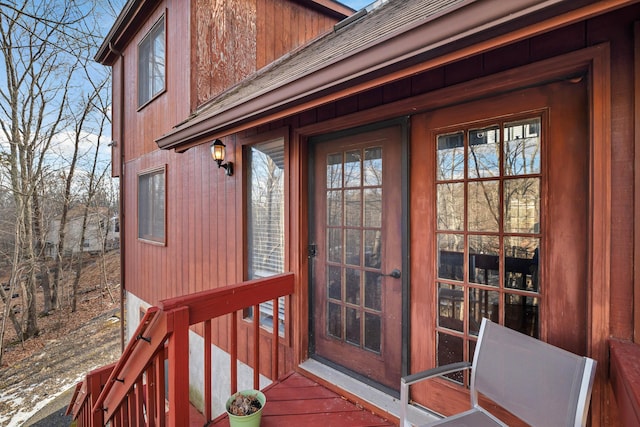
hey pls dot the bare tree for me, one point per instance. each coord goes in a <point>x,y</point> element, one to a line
<point>46,50</point>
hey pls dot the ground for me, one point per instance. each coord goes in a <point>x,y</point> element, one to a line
<point>37,371</point>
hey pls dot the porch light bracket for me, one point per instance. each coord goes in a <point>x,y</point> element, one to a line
<point>218,152</point>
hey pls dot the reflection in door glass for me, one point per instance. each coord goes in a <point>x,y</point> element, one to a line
<point>484,152</point>
<point>488,191</point>
<point>521,205</point>
<point>483,205</point>
<point>354,246</point>
<point>373,167</point>
<point>484,260</point>
<point>372,332</point>
<point>521,263</point>
<point>451,156</point>
<point>522,147</point>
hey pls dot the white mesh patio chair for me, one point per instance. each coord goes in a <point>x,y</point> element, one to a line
<point>542,385</point>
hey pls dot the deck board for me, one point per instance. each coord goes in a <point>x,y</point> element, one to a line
<point>299,401</point>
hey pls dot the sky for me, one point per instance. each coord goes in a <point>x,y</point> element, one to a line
<point>356,4</point>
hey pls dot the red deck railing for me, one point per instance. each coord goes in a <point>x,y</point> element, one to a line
<point>134,392</point>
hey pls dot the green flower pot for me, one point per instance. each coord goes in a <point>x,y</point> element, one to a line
<point>252,420</point>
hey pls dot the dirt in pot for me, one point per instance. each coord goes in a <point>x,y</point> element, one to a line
<point>244,405</point>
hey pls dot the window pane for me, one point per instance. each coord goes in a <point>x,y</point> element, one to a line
<point>373,207</point>
<point>482,303</point>
<point>151,63</point>
<point>372,248</point>
<point>334,170</point>
<point>450,256</point>
<point>521,263</point>
<point>334,208</point>
<point>450,350</point>
<point>484,152</point>
<point>373,291</point>
<point>450,206</point>
<point>151,206</point>
<point>483,206</point>
<point>521,205</point>
<point>373,167</point>
<point>450,156</point>
<point>334,282</point>
<point>484,259</point>
<point>334,320</point>
<point>352,168</point>
<point>522,147</point>
<point>265,218</point>
<point>372,332</point>
<point>353,326</point>
<point>521,314</point>
<point>352,204</point>
<point>450,306</point>
<point>352,279</point>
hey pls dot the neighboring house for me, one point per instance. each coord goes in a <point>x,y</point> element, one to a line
<point>101,233</point>
<point>418,166</point>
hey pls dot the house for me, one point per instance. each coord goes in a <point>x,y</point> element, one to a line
<point>101,233</point>
<point>414,167</point>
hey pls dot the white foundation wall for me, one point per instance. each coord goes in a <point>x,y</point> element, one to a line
<point>220,364</point>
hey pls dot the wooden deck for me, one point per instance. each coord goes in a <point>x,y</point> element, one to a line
<point>299,401</point>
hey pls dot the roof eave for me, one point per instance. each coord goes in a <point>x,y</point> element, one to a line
<point>328,83</point>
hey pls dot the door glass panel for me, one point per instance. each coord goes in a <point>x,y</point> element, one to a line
<point>353,286</point>
<point>334,282</point>
<point>373,207</point>
<point>450,350</point>
<point>521,205</point>
<point>372,332</point>
<point>372,248</point>
<point>334,208</point>
<point>522,147</point>
<point>488,193</point>
<point>521,314</point>
<point>334,170</point>
<point>353,326</point>
<point>483,206</point>
<point>352,206</point>
<point>373,167</point>
<point>484,152</point>
<point>482,303</point>
<point>521,263</point>
<point>352,168</point>
<point>450,306</point>
<point>484,260</point>
<point>352,247</point>
<point>450,206</point>
<point>334,320</point>
<point>334,245</point>
<point>450,156</point>
<point>373,291</point>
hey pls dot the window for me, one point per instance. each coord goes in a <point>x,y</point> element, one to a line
<point>151,63</point>
<point>265,218</point>
<point>151,205</point>
<point>488,185</point>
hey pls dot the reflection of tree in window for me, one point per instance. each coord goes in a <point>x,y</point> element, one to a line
<point>265,219</point>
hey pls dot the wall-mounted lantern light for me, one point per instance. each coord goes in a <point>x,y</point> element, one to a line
<point>218,152</point>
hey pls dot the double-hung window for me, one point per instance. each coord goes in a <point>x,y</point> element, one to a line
<point>265,218</point>
<point>151,63</point>
<point>152,205</point>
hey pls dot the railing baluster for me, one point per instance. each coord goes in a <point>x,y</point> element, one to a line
<point>207,371</point>
<point>179,368</point>
<point>160,394</point>
<point>256,347</point>
<point>275,339</point>
<point>234,352</point>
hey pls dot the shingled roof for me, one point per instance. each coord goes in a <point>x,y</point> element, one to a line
<point>378,39</point>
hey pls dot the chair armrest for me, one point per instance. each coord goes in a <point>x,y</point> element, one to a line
<point>435,372</point>
<point>408,380</point>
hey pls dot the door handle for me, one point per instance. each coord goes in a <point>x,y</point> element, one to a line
<point>395,273</point>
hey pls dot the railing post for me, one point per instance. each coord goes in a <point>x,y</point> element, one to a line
<point>179,368</point>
